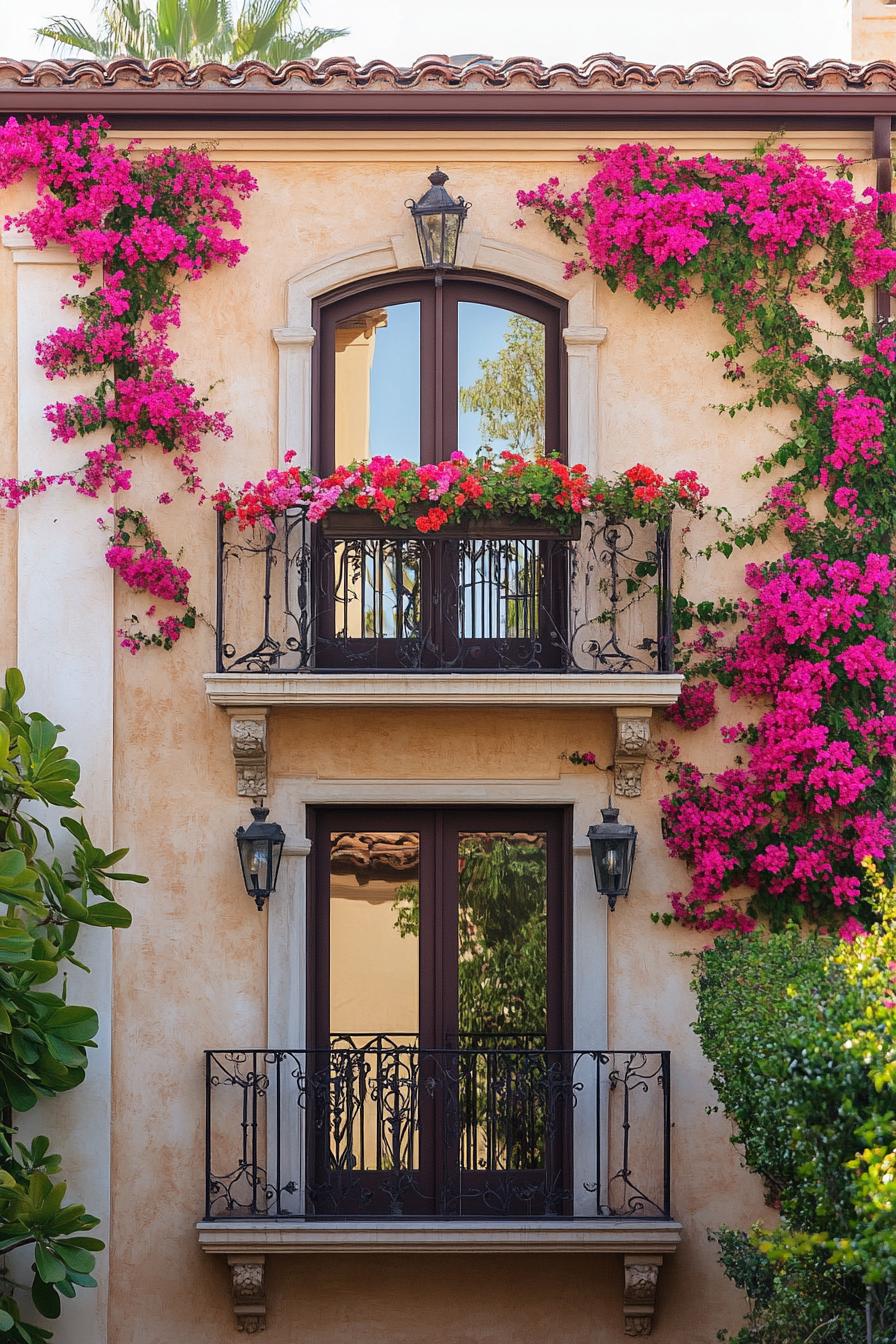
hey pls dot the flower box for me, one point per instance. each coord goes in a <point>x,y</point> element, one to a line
<point>348,524</point>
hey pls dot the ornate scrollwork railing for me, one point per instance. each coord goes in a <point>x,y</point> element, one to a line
<point>375,1126</point>
<point>307,598</point>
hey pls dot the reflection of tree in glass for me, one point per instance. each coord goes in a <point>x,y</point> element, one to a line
<point>509,392</point>
<point>502,934</point>
<point>502,1083</point>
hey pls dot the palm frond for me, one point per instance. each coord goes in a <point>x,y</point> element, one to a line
<point>67,33</point>
<point>298,46</point>
<point>193,30</point>
<point>129,28</point>
<point>207,22</point>
<point>260,23</point>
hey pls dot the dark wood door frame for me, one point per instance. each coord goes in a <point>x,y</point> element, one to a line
<point>439,828</point>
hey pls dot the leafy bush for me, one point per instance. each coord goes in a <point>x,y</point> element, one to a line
<point>801,1033</point>
<point>44,1039</point>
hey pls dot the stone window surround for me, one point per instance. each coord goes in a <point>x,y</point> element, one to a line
<point>475,252</point>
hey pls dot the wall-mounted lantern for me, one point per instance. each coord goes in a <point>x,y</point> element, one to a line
<point>439,219</point>
<point>260,847</point>
<point>613,855</point>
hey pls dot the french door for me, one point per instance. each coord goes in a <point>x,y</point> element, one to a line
<point>417,370</point>
<point>438,1012</point>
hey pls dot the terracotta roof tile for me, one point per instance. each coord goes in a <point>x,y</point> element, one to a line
<point>437,73</point>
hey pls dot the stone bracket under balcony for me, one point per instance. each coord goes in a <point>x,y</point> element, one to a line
<point>249,697</point>
<point>641,1243</point>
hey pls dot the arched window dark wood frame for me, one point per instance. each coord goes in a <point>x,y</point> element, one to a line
<point>438,351</point>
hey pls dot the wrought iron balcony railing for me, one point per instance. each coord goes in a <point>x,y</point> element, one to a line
<point>377,1127</point>
<point>352,596</point>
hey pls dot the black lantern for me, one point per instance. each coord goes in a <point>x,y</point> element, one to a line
<point>439,219</point>
<point>613,855</point>
<point>260,848</point>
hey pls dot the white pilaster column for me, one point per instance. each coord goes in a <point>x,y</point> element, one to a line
<point>66,641</point>
<point>294,435</point>
<point>582,431</point>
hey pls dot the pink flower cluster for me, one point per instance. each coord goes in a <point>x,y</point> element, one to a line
<point>695,706</point>
<point>644,216</point>
<point>792,824</point>
<point>149,571</point>
<point>142,563</point>
<point>147,223</point>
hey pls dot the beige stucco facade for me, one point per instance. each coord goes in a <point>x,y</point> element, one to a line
<point>201,968</point>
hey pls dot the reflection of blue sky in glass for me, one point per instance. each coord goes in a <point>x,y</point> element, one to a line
<point>395,385</point>
<point>395,376</point>
<point>480,334</point>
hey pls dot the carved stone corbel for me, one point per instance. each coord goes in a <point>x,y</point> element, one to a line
<point>632,742</point>
<point>639,1300</point>
<point>247,1283</point>
<point>249,743</point>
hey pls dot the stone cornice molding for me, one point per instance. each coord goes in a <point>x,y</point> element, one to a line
<point>24,249</point>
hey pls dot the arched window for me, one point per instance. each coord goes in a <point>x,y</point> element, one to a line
<point>409,368</point>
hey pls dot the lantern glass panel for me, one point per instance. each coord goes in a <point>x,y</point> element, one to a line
<point>450,234</point>
<point>429,235</point>
<point>255,856</point>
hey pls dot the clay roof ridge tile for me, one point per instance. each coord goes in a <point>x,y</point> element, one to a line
<point>440,71</point>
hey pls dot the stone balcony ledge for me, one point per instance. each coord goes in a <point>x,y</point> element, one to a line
<point>581,690</point>
<point>462,1236</point>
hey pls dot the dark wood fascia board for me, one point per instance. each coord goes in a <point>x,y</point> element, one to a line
<point>270,109</point>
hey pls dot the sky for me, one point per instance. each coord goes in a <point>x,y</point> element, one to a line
<point>678,31</point>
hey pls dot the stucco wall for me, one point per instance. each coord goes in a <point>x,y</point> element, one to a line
<point>191,973</point>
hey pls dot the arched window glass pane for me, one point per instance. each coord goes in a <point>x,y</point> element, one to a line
<point>377,384</point>
<point>501,380</point>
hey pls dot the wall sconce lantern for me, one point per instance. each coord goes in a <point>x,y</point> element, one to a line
<point>439,219</point>
<point>613,855</point>
<point>260,847</point>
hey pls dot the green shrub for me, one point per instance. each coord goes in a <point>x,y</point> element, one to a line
<point>801,1034</point>
<point>44,1039</point>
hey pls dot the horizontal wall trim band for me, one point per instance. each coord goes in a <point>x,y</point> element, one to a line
<point>457,1236</point>
<point>482,147</point>
<point>353,689</point>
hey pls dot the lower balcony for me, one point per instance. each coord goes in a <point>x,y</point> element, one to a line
<point>377,1127</point>
<point>495,1144</point>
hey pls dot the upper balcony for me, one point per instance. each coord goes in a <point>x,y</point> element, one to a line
<point>500,610</point>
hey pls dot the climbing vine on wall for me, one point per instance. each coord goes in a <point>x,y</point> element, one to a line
<point>783,831</point>
<point>143,225</point>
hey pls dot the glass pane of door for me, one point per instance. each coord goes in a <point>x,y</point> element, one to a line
<point>502,999</point>
<point>374,1006</point>
<point>377,384</point>
<point>374,934</point>
<point>502,936</point>
<point>501,380</point>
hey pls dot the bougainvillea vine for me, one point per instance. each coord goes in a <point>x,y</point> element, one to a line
<point>144,224</point>
<point>783,833</point>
